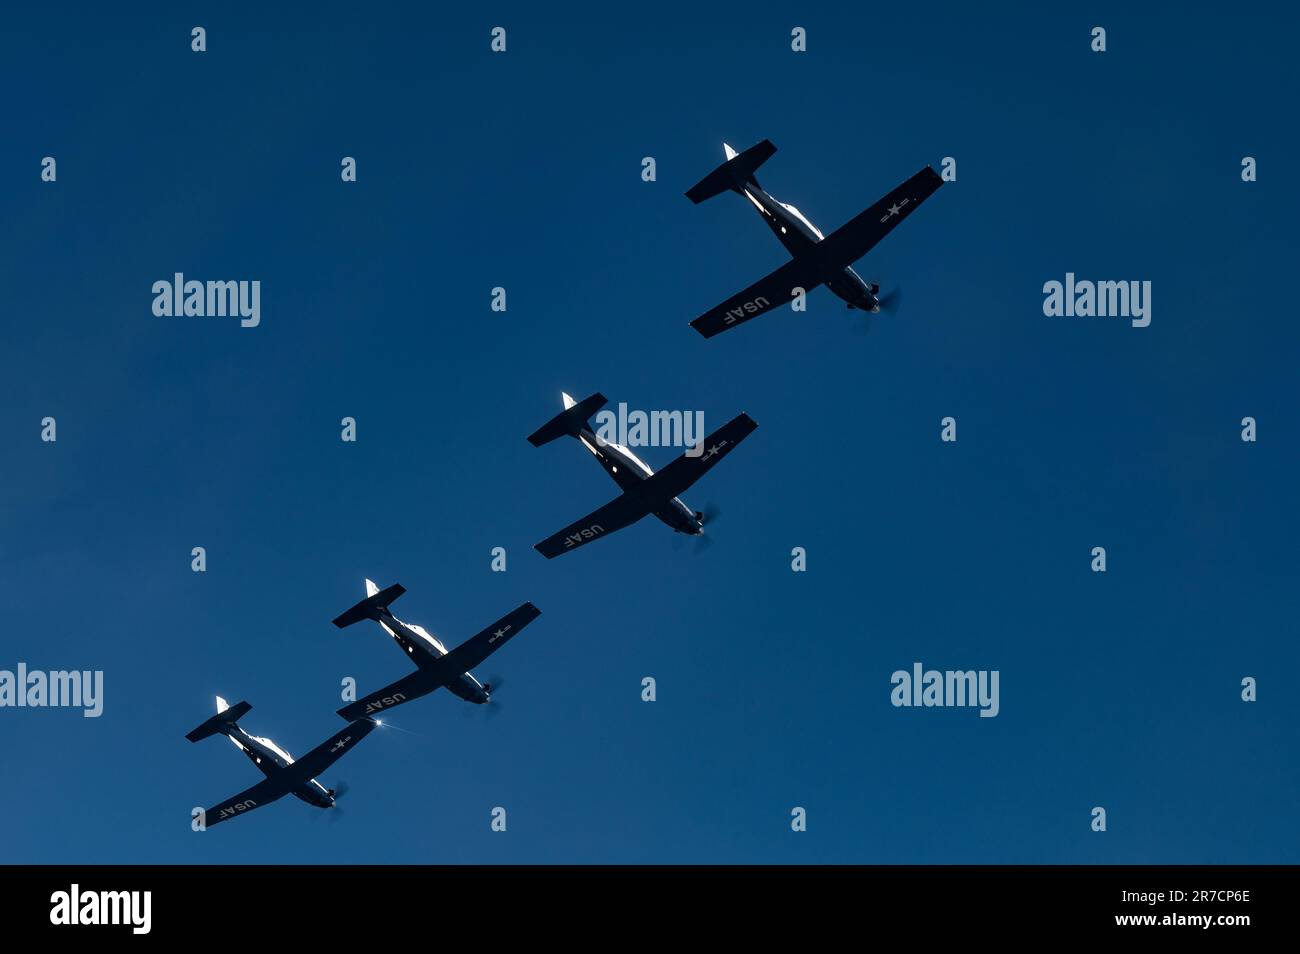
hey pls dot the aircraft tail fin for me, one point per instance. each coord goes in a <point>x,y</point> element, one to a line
<point>225,718</point>
<point>569,421</point>
<point>734,174</point>
<point>370,607</point>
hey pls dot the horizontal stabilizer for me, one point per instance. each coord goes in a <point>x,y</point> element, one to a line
<point>734,174</point>
<point>220,722</point>
<point>570,421</point>
<point>369,607</point>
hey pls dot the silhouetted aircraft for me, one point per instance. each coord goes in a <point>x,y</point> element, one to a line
<point>436,667</point>
<point>645,492</point>
<point>817,259</point>
<point>284,774</point>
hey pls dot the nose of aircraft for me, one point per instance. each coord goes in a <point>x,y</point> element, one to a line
<point>868,302</point>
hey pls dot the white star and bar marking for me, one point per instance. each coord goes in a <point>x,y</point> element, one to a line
<point>895,209</point>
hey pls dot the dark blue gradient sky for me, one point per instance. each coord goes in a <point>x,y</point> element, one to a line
<point>523,170</point>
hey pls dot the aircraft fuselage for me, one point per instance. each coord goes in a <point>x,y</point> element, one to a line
<point>270,759</point>
<point>424,649</point>
<point>800,238</point>
<point>629,472</point>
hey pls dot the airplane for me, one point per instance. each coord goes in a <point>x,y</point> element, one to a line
<point>436,667</point>
<point>817,259</point>
<point>284,774</point>
<point>645,492</point>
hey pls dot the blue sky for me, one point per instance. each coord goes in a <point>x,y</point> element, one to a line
<point>523,170</point>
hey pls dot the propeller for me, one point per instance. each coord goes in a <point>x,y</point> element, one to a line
<point>888,305</point>
<point>493,706</point>
<point>335,811</point>
<point>492,685</point>
<point>890,301</point>
<point>701,541</point>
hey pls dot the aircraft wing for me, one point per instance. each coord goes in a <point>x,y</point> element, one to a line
<point>263,793</point>
<point>686,470</point>
<point>860,234</point>
<point>330,751</point>
<point>765,294</point>
<point>618,513</point>
<point>477,648</point>
<point>419,683</point>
